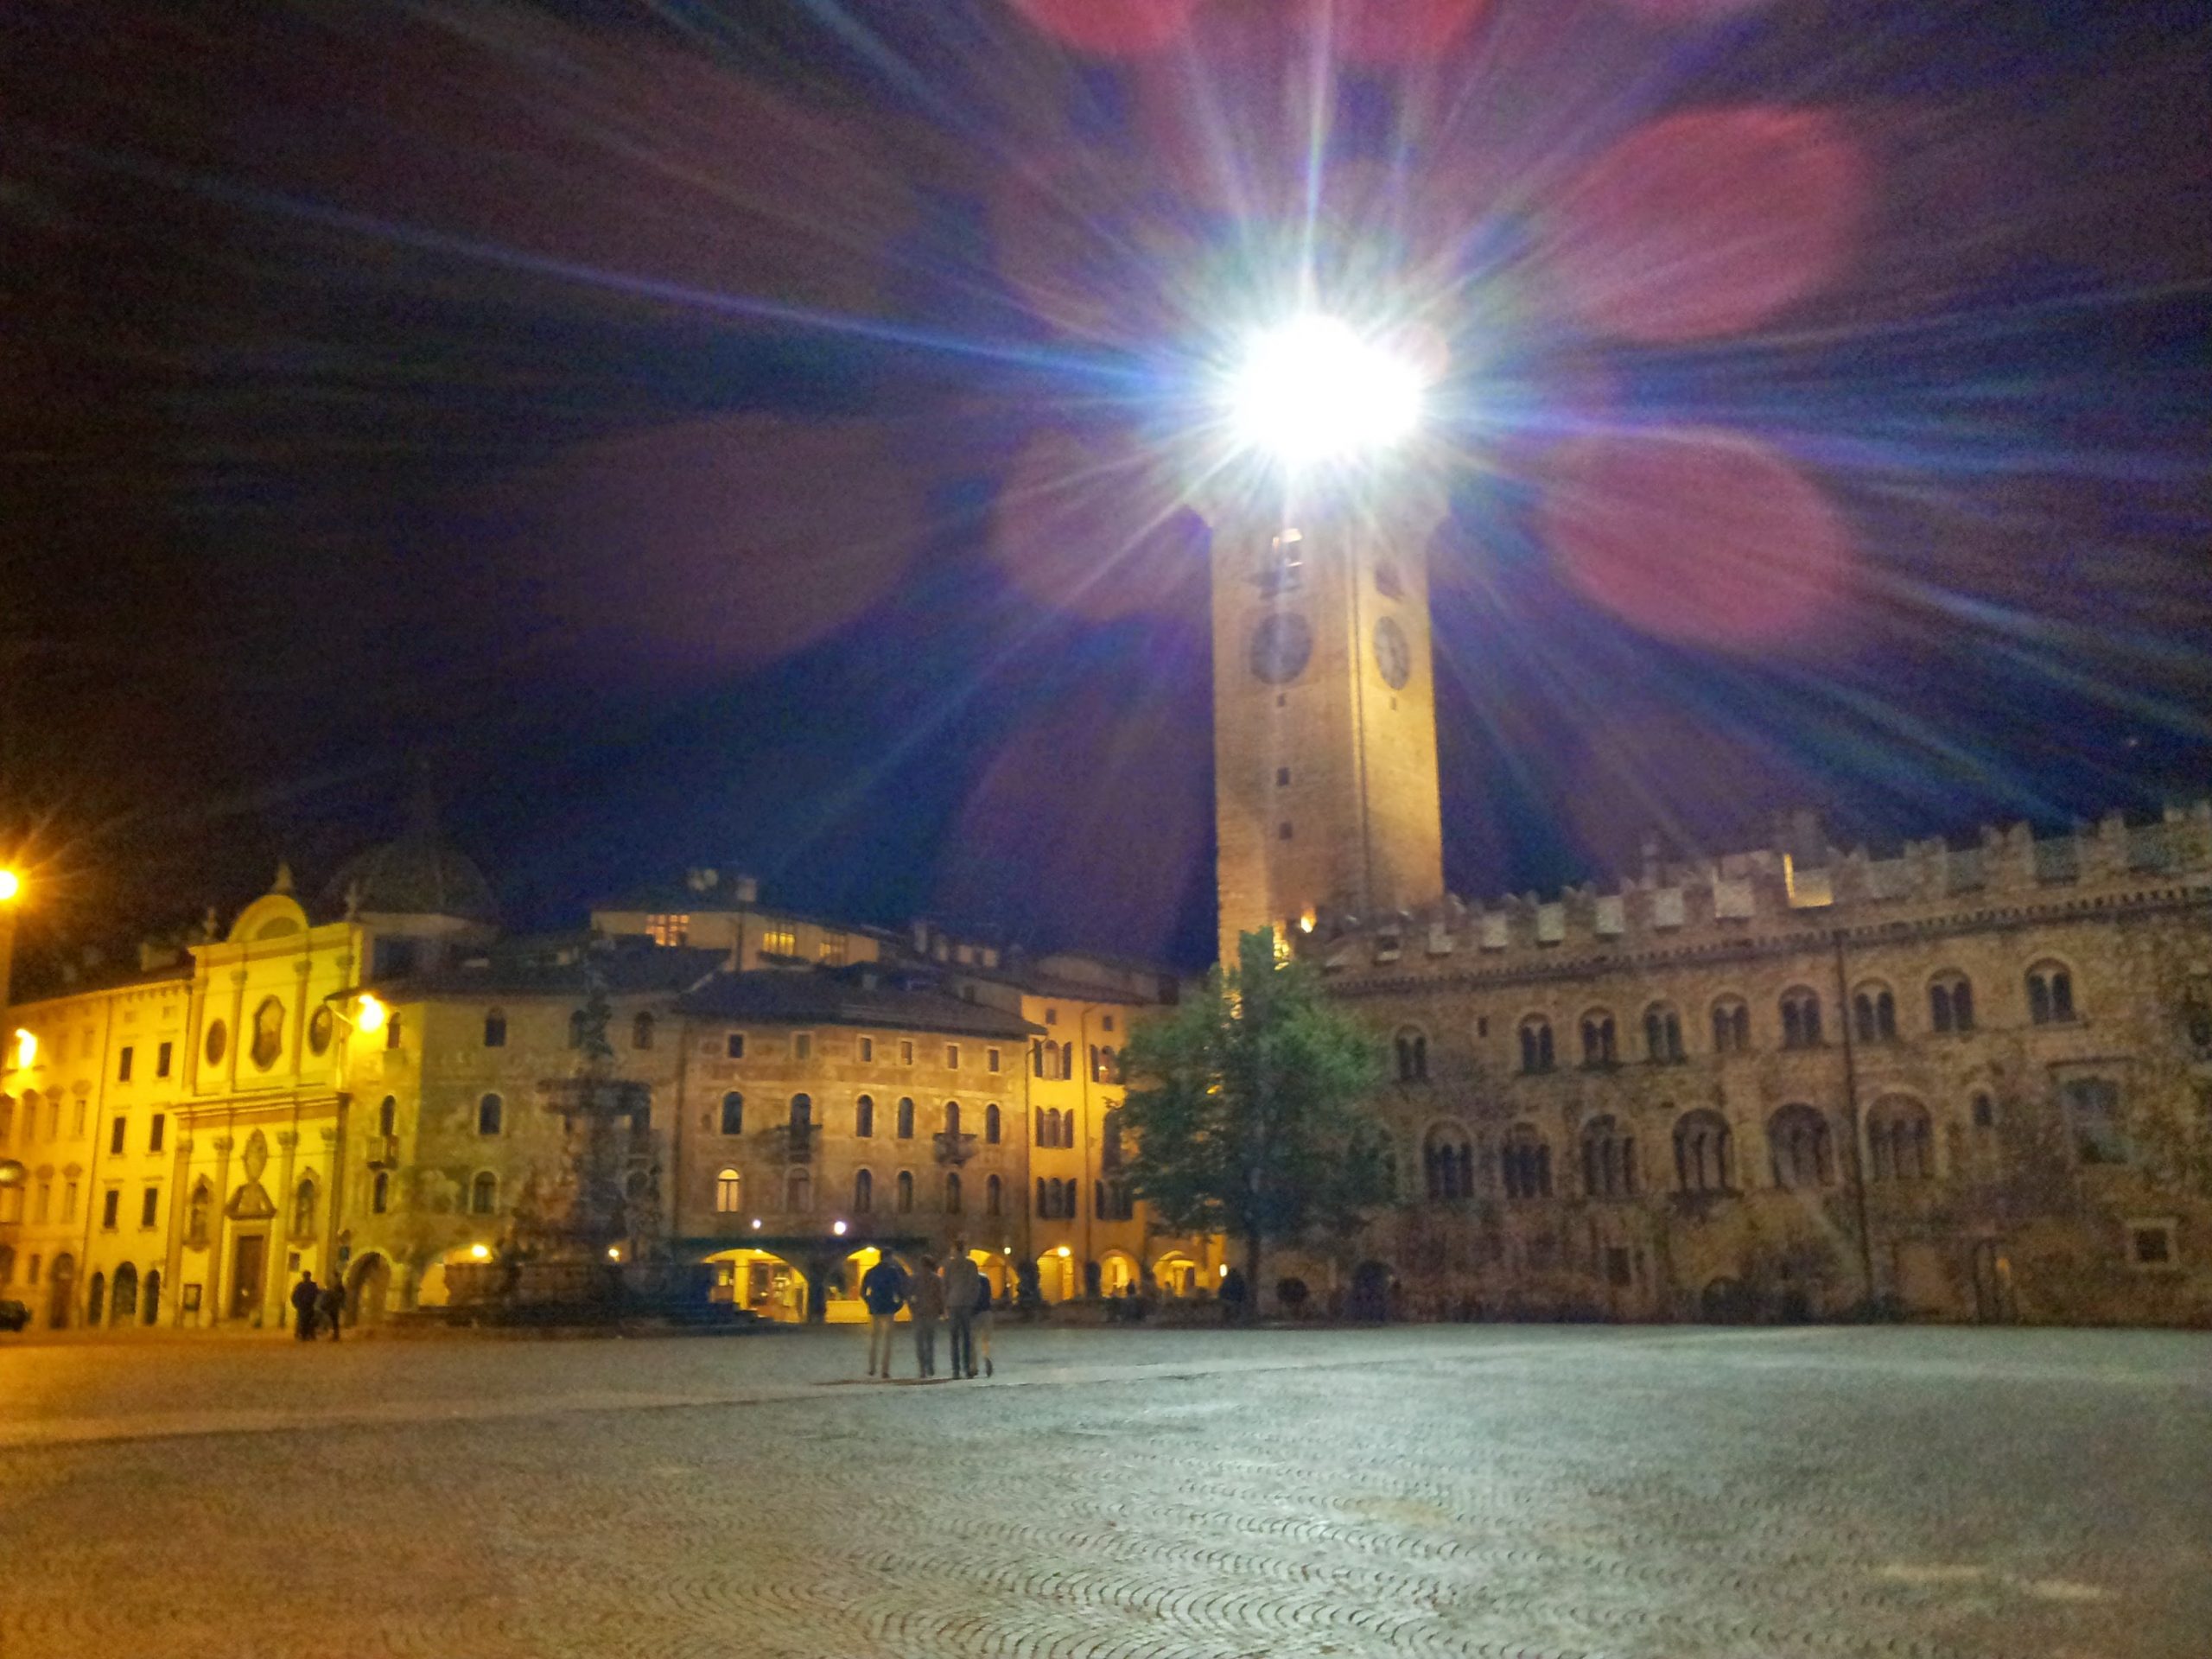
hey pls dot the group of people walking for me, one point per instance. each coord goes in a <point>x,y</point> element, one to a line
<point>957,1294</point>
<point>317,1307</point>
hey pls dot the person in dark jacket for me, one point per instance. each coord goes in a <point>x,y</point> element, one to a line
<point>331,1305</point>
<point>305,1296</point>
<point>962,1276</point>
<point>883,1287</point>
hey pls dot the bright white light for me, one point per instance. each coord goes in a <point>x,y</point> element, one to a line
<point>1312,390</point>
<point>838,1228</point>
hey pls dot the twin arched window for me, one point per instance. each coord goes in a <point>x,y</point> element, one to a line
<point>1054,1127</point>
<point>1055,1199</point>
<point>1413,1056</point>
<point>1900,1142</point>
<point>1600,1047</point>
<point>1705,1157</point>
<point>1663,1033</point>
<point>1950,1002</point>
<point>1874,1014</point>
<point>1525,1163</point>
<point>1448,1162</point>
<point>1801,1018</point>
<point>2050,993</point>
<point>1799,1146</point>
<point>1608,1159</point>
<point>1536,1053</point>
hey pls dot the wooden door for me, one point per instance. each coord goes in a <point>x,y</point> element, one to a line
<point>248,1262</point>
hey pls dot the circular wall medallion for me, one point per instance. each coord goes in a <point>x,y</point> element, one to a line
<point>1281,646</point>
<point>219,1041</point>
<point>1392,655</point>
<point>319,1028</point>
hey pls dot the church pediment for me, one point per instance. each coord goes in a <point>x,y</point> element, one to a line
<point>250,1203</point>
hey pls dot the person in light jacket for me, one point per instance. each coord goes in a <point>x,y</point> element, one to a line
<point>961,1278</point>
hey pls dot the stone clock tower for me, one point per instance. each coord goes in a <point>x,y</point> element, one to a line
<point>1324,716</point>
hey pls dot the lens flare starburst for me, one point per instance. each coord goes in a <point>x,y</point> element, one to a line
<point>1313,390</point>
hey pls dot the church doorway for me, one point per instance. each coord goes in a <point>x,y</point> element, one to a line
<point>1175,1273</point>
<point>249,1268</point>
<point>1370,1292</point>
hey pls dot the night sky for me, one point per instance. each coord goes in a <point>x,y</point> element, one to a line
<point>739,433</point>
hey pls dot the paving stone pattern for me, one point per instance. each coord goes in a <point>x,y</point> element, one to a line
<point>1489,1491</point>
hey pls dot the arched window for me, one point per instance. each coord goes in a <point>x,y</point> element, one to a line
<point>729,1191</point>
<point>1448,1161</point>
<point>577,1023</point>
<point>1608,1159</point>
<point>994,1124</point>
<point>1705,1155</point>
<point>1599,1045</point>
<point>864,1117</point>
<point>802,1114</point>
<point>1874,1014</point>
<point>732,1113</point>
<point>904,1187</point>
<point>483,1193</point>
<point>799,1192</point>
<point>1732,1027</point>
<point>1985,1112</point>
<point>380,1195</point>
<point>1536,1044</point>
<point>994,1196</point>
<point>1067,1059</point>
<point>1525,1162</point>
<point>1043,1198</point>
<point>905,1118</point>
<point>641,1031</point>
<point>951,1117</point>
<point>388,1117</point>
<point>1413,1056</point>
<point>1663,1033</point>
<point>490,1110</point>
<point>1900,1141</point>
<point>952,1192</point>
<point>303,1208</point>
<point>1950,1002</point>
<point>1798,1145</point>
<point>268,1033</point>
<point>1095,1076</point>
<point>863,1191</point>
<point>1110,1140</point>
<point>2050,993</point>
<point>1801,1018</point>
<point>495,1028</point>
<point>1111,1063</point>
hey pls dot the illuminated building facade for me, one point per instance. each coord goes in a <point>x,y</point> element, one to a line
<point>358,1088</point>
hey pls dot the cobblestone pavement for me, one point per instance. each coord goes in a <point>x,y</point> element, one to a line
<point>1490,1491</point>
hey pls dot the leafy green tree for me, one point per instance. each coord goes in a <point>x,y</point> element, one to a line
<point>1245,1110</point>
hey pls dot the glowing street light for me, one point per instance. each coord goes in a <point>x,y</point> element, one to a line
<point>480,1252</point>
<point>11,884</point>
<point>838,1228</point>
<point>370,1013</point>
<point>1313,390</point>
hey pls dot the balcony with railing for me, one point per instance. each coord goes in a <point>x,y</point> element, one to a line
<point>953,1147</point>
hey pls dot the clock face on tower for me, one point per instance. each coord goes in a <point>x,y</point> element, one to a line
<point>1280,645</point>
<point>1392,655</point>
